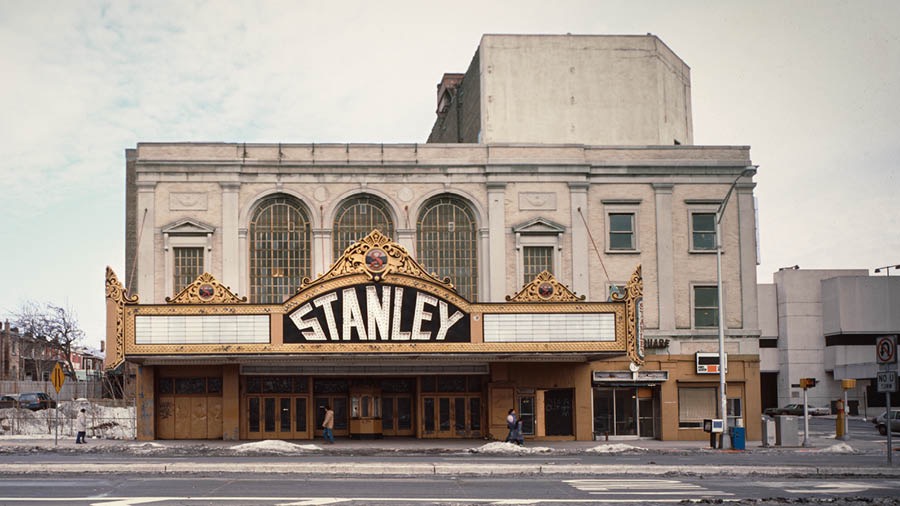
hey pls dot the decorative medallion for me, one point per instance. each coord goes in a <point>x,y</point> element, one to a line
<point>545,291</point>
<point>206,290</point>
<point>376,260</point>
<point>545,288</point>
<point>378,257</point>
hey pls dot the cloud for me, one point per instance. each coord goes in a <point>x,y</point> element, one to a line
<point>810,88</point>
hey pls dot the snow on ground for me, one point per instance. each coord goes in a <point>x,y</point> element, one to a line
<point>273,445</point>
<point>103,422</point>
<point>615,448</point>
<point>838,448</point>
<point>509,448</point>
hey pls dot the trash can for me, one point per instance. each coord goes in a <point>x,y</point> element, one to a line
<point>786,431</point>
<point>738,438</point>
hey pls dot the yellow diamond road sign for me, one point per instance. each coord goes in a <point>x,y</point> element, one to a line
<point>58,378</point>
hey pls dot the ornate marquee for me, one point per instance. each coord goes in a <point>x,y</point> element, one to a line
<point>375,299</point>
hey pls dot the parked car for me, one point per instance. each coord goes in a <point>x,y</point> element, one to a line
<point>7,401</point>
<point>35,401</point>
<point>796,410</point>
<point>881,425</point>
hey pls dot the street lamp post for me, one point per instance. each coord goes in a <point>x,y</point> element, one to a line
<point>887,269</point>
<point>723,399</point>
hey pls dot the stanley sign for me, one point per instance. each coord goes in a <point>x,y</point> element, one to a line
<point>376,313</point>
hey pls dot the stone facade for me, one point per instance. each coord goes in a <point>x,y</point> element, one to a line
<point>535,168</point>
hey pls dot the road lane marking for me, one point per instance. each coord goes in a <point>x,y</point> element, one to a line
<point>643,488</point>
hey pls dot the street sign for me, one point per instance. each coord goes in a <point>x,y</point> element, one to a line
<point>887,381</point>
<point>58,377</point>
<point>886,349</point>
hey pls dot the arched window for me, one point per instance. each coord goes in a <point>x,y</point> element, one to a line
<point>446,242</point>
<point>280,246</point>
<point>356,218</point>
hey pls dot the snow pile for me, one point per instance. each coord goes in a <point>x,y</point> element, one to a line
<point>26,422</point>
<point>103,422</point>
<point>838,448</point>
<point>148,447</point>
<point>509,448</point>
<point>273,445</point>
<point>615,448</point>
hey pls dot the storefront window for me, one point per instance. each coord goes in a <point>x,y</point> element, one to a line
<point>184,386</point>
<point>695,405</point>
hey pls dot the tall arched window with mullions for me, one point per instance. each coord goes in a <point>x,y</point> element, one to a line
<point>280,246</point>
<point>446,238</point>
<point>356,218</point>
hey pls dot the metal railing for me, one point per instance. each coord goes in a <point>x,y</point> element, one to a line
<point>91,389</point>
<point>106,419</point>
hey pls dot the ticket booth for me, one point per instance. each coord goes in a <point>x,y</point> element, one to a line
<point>365,412</point>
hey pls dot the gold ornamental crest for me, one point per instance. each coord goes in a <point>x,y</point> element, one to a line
<point>545,288</point>
<point>377,257</point>
<point>206,290</point>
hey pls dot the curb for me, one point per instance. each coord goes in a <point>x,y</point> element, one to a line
<point>424,469</point>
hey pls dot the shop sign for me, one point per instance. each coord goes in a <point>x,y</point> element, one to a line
<point>376,313</point>
<point>629,376</point>
<point>708,363</point>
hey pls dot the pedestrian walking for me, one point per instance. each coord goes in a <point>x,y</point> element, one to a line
<point>515,427</point>
<point>328,425</point>
<point>80,427</point>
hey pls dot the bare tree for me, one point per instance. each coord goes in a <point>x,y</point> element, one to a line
<point>53,326</point>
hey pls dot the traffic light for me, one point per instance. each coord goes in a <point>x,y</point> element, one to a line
<point>807,383</point>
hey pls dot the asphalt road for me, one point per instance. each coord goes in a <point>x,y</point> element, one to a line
<point>124,490</point>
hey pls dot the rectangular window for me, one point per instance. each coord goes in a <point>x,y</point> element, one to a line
<point>694,406</point>
<point>621,231</point>
<point>188,266</point>
<point>706,307</point>
<point>703,231</point>
<point>735,410</point>
<point>536,259</point>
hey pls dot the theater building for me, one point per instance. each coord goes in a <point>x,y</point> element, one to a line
<point>567,269</point>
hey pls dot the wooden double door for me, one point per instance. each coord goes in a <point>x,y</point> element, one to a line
<point>451,415</point>
<point>397,415</point>
<point>278,416</point>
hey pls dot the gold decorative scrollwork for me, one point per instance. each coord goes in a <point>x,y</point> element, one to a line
<point>116,294</point>
<point>633,298</point>
<point>378,257</point>
<point>545,288</point>
<point>206,290</point>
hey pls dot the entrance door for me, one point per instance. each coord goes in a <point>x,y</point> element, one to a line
<point>341,416</point>
<point>526,414</point>
<point>625,411</point>
<point>558,412</point>
<point>277,417</point>
<point>397,415</point>
<point>451,416</point>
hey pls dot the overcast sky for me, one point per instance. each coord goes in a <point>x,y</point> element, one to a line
<point>813,87</point>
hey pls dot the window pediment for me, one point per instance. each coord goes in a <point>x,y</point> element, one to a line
<point>539,226</point>
<point>188,227</point>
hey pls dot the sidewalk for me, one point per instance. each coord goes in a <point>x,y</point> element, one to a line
<point>825,457</point>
